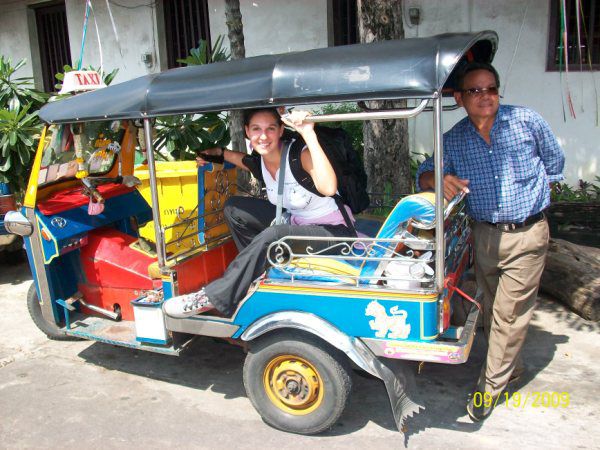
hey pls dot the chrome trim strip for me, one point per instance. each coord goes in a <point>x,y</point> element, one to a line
<point>201,326</point>
<point>440,242</point>
<point>160,239</point>
<point>43,287</point>
<point>371,115</point>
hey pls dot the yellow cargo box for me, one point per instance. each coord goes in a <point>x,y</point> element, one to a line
<point>178,198</point>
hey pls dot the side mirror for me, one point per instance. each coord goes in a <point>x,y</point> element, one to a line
<point>16,223</point>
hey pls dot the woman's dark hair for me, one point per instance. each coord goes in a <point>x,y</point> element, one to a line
<point>473,66</point>
<point>249,113</point>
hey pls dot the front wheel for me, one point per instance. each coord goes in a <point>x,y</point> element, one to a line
<point>296,382</point>
<point>35,311</point>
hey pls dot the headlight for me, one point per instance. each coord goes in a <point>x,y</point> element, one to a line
<point>17,223</point>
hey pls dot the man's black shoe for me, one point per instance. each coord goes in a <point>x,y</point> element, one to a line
<point>476,407</point>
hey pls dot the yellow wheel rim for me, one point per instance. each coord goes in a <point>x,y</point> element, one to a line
<point>293,385</point>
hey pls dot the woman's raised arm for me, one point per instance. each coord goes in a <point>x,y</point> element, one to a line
<point>314,161</point>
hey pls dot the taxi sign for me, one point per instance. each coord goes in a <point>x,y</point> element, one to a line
<point>81,80</point>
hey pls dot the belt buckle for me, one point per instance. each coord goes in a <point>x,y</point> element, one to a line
<point>506,226</point>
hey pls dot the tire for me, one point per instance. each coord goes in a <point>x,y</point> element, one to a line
<point>296,382</point>
<point>35,311</point>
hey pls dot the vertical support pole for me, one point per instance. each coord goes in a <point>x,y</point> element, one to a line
<point>439,194</point>
<point>160,240</point>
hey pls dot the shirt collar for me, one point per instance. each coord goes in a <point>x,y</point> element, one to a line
<point>503,115</point>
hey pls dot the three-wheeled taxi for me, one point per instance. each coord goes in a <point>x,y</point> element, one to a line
<point>106,253</point>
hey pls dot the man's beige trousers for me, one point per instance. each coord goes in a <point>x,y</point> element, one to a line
<point>508,268</point>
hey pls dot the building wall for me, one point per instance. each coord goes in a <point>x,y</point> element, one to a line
<point>276,26</point>
<point>14,37</point>
<point>272,26</point>
<point>137,36</point>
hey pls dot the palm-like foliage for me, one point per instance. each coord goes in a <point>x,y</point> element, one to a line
<point>19,123</point>
<point>17,92</point>
<point>203,55</point>
<point>19,130</point>
<point>182,136</point>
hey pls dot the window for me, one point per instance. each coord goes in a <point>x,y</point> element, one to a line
<point>53,39</point>
<point>589,35</point>
<point>186,22</point>
<point>345,25</point>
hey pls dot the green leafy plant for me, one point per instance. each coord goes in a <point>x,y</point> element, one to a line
<point>182,136</point>
<point>204,55</point>
<point>17,92</point>
<point>185,135</point>
<point>585,192</point>
<point>19,130</point>
<point>20,126</point>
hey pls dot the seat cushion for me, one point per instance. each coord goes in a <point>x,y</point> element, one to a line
<point>327,270</point>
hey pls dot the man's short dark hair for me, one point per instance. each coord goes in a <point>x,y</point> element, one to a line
<point>471,67</point>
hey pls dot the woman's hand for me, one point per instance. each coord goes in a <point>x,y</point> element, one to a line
<point>215,151</point>
<point>296,120</point>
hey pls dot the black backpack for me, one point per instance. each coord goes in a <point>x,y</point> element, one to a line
<point>350,172</point>
<point>348,168</point>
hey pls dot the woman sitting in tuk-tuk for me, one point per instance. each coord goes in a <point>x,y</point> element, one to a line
<point>249,219</point>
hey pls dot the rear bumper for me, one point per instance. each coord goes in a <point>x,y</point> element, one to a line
<point>453,347</point>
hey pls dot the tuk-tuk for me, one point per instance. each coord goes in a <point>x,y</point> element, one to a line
<point>312,316</point>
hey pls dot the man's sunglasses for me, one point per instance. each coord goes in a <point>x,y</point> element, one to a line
<point>477,92</point>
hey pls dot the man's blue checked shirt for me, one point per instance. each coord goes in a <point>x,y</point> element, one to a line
<point>508,180</point>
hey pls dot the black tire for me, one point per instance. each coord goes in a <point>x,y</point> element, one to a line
<point>13,253</point>
<point>35,311</point>
<point>307,365</point>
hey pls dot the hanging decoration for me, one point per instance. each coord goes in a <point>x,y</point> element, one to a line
<point>114,27</point>
<point>565,53</point>
<point>84,32</point>
<point>589,60</point>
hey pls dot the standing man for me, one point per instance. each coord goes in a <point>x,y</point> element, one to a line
<point>505,157</point>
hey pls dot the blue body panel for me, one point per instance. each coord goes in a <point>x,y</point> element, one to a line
<point>77,222</point>
<point>346,310</point>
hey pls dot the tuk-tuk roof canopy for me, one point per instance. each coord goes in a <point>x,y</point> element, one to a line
<point>385,70</point>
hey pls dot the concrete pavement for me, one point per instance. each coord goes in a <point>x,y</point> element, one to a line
<point>92,395</point>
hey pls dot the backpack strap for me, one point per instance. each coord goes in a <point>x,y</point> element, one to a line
<point>281,182</point>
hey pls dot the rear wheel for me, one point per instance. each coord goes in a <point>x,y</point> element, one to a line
<point>35,311</point>
<point>297,383</point>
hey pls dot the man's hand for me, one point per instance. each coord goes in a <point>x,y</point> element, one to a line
<point>453,185</point>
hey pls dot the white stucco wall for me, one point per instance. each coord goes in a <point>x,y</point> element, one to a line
<point>136,29</point>
<point>14,37</point>
<point>275,26</point>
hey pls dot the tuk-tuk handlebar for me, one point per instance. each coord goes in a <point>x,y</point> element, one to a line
<point>371,115</point>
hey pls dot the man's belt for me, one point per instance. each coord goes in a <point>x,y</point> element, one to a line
<point>513,226</point>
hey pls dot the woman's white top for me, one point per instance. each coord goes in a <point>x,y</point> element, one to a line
<point>297,200</point>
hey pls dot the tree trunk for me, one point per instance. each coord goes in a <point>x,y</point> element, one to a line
<point>386,153</point>
<point>233,18</point>
<point>572,275</point>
